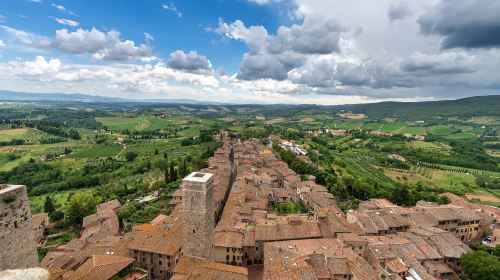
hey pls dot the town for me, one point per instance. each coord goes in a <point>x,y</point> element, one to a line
<point>249,216</point>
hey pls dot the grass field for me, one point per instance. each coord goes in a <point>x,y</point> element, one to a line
<point>275,121</point>
<point>415,130</point>
<point>431,146</point>
<point>135,123</point>
<point>461,136</point>
<point>391,127</point>
<point>433,178</point>
<point>189,132</point>
<point>440,130</point>
<point>59,199</point>
<point>27,134</point>
<point>95,151</point>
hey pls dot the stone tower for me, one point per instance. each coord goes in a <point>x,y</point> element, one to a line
<point>17,239</point>
<point>199,216</point>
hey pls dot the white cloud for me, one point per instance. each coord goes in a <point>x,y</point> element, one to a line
<point>148,37</point>
<point>26,39</point>
<point>171,7</point>
<point>190,62</point>
<point>63,9</point>
<point>102,46</point>
<point>68,22</point>
<point>2,44</point>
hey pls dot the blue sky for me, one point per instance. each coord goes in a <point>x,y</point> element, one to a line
<point>184,29</point>
<point>253,51</point>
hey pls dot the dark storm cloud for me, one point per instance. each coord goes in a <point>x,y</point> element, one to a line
<point>467,23</point>
<point>447,63</point>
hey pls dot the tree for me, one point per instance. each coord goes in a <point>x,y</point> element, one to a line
<point>173,174</point>
<point>162,164</point>
<point>480,265</point>
<point>80,205</point>
<point>159,186</point>
<point>156,152</point>
<point>48,205</point>
<point>73,134</point>
<point>130,156</point>
<point>56,216</point>
<point>402,195</point>
<point>183,170</point>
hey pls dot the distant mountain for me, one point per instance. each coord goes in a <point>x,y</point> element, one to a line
<point>6,95</point>
<point>478,106</point>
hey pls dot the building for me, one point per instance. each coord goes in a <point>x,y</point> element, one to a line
<point>197,269</point>
<point>199,214</point>
<point>102,267</point>
<point>17,239</point>
<point>312,259</point>
<point>463,222</point>
<point>155,249</point>
<point>40,223</point>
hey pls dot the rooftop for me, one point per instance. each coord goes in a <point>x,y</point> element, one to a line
<point>198,177</point>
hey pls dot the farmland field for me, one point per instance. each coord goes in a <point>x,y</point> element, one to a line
<point>391,127</point>
<point>414,130</point>
<point>95,151</point>
<point>27,134</point>
<point>134,123</point>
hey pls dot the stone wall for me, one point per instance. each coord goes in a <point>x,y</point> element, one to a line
<point>17,240</point>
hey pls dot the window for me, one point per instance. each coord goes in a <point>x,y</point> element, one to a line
<point>227,250</point>
<point>159,262</point>
<point>194,231</point>
<point>15,224</point>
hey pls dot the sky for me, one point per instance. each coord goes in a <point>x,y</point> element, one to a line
<point>253,51</point>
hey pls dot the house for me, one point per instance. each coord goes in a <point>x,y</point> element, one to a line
<point>40,223</point>
<point>190,268</point>
<point>102,267</point>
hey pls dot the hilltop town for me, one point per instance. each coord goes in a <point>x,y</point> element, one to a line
<point>249,216</point>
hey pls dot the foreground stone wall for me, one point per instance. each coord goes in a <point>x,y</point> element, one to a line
<point>17,240</point>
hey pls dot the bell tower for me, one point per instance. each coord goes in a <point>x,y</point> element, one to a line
<point>198,208</point>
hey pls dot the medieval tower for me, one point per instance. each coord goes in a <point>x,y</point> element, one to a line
<point>199,216</point>
<point>17,240</point>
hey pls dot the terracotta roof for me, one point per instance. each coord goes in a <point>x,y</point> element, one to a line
<point>285,231</point>
<point>396,266</point>
<point>38,219</point>
<point>198,269</point>
<point>101,267</point>
<point>110,205</point>
<point>165,242</point>
<point>146,228</point>
<point>55,273</point>
<point>229,239</point>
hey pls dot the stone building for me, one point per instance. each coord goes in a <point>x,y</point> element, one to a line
<point>199,216</point>
<point>40,223</point>
<point>156,250</point>
<point>17,240</point>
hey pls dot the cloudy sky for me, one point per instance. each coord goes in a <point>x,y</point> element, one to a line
<point>253,51</point>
